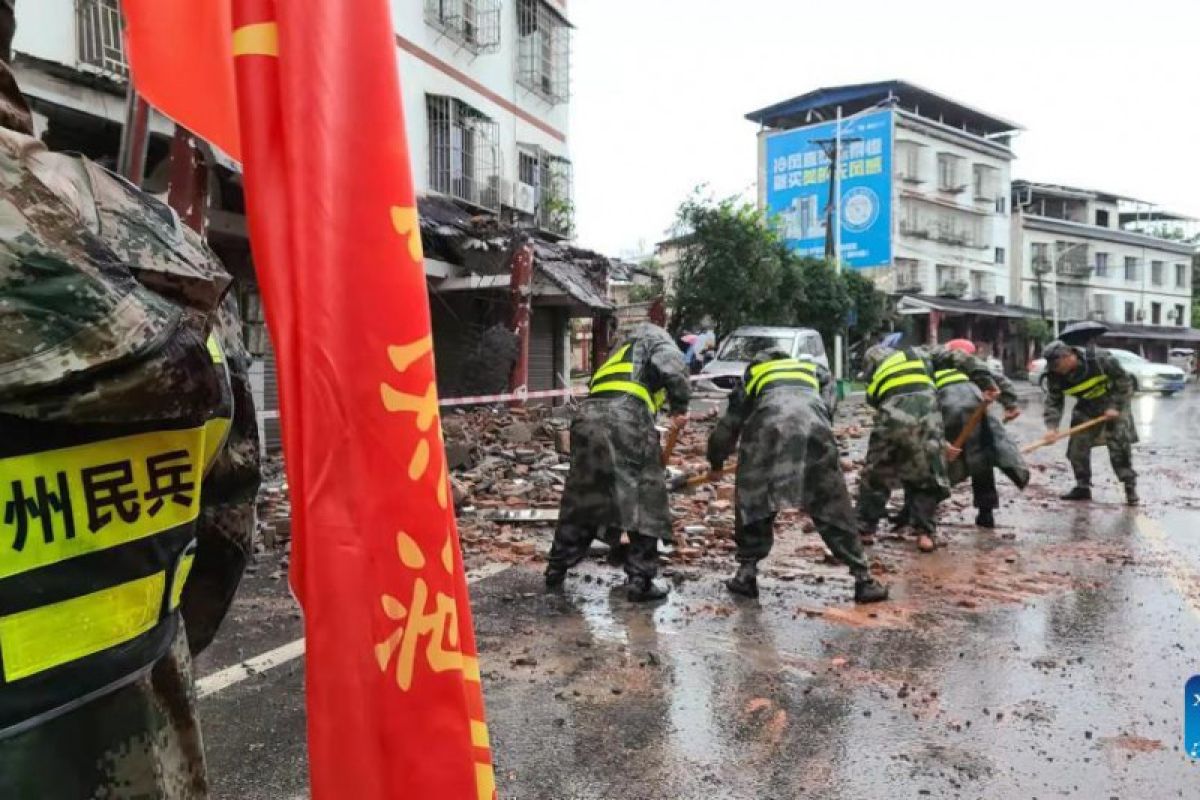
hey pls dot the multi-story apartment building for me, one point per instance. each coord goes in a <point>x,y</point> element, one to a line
<point>939,207</point>
<point>486,93</point>
<point>486,88</point>
<point>1075,258</point>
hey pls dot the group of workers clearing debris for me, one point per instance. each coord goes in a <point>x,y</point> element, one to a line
<point>933,429</point>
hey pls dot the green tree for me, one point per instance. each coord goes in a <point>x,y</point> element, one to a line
<point>824,299</point>
<point>736,269</point>
<point>870,305</point>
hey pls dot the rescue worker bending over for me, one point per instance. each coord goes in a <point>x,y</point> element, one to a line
<point>617,481</point>
<point>907,447</point>
<point>787,458</point>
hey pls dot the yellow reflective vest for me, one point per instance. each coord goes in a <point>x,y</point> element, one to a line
<point>782,372</point>
<point>616,377</point>
<point>903,372</point>
<point>97,538</point>
<point>948,377</point>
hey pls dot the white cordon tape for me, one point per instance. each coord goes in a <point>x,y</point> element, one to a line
<point>522,394</point>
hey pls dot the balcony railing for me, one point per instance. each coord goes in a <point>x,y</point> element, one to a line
<point>952,288</point>
<point>474,24</point>
<point>1075,269</point>
<point>98,35</point>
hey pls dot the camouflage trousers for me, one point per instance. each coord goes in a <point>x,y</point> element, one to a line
<point>572,542</point>
<point>754,541</point>
<point>1120,454</point>
<point>904,452</point>
<point>140,742</point>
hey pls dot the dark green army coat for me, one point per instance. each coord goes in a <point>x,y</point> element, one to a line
<point>617,480</point>
<point>107,304</point>
<point>787,455</point>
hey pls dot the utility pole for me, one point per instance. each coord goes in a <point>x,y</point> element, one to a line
<point>833,224</point>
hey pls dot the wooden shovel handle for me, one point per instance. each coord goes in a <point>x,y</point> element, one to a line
<point>669,447</point>
<point>1091,423</point>
<point>969,428</point>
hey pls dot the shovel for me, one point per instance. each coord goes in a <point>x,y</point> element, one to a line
<point>1091,423</point>
<point>692,481</point>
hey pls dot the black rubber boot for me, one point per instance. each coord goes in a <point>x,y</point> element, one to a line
<point>1131,495</point>
<point>1078,493</point>
<point>617,553</point>
<point>645,590</point>
<point>869,590</point>
<point>745,582</point>
<point>554,579</point>
<point>985,518</point>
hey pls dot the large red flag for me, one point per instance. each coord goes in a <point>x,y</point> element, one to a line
<point>179,51</point>
<point>395,708</point>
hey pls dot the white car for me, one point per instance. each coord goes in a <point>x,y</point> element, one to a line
<point>1147,376</point>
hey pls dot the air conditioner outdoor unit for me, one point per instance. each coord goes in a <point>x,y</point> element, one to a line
<point>524,197</point>
<point>505,189</point>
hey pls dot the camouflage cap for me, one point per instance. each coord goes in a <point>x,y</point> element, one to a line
<point>1056,350</point>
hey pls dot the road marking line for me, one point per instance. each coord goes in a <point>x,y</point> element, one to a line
<point>211,684</point>
<point>230,676</point>
<point>1185,581</point>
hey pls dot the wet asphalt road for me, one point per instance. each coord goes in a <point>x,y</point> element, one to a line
<point>1043,660</point>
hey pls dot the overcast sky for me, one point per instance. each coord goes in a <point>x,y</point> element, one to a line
<point>1108,92</point>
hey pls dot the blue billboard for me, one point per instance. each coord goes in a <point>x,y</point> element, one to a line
<point>798,177</point>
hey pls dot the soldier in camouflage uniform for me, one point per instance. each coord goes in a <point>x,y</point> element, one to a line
<point>907,446</point>
<point>989,447</point>
<point>787,458</point>
<point>617,481</point>
<point>120,342</point>
<point>1101,388</point>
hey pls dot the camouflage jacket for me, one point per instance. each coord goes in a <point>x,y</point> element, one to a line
<point>787,456</point>
<point>617,478</point>
<point>1093,361</point>
<point>107,301</point>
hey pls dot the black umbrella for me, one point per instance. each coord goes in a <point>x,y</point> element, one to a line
<point>1081,334</point>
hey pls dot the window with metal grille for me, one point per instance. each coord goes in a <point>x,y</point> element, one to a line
<point>544,51</point>
<point>551,177</point>
<point>474,24</point>
<point>98,36</point>
<point>464,157</point>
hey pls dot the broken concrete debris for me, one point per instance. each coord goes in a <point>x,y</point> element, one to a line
<point>509,466</point>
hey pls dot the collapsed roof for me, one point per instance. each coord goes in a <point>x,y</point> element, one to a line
<point>482,245</point>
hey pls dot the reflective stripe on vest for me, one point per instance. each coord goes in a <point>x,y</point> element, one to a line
<point>788,371</point>
<point>903,370</point>
<point>1090,388</point>
<point>97,539</point>
<point>616,376</point>
<point>947,377</point>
